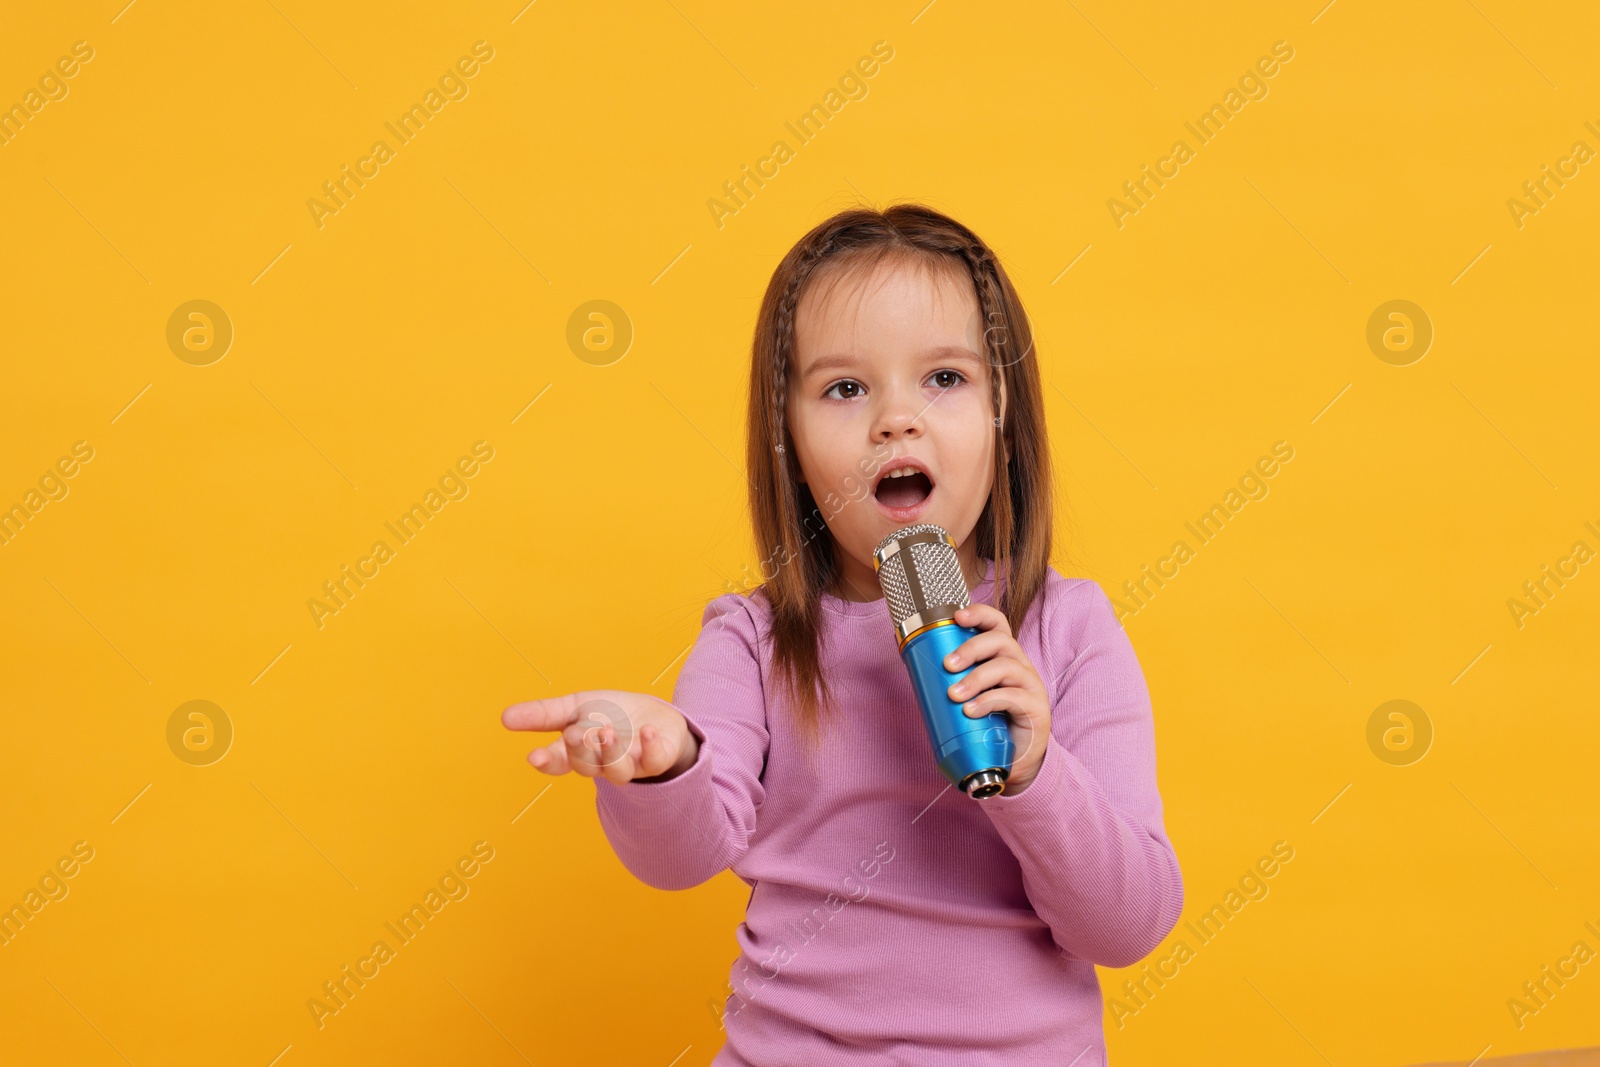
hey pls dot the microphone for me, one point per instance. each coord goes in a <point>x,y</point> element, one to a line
<point>923,586</point>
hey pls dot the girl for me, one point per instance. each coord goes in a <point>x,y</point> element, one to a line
<point>892,919</point>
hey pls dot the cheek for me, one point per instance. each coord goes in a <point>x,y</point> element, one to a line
<point>967,431</point>
<point>969,490</point>
<point>825,445</point>
<point>965,444</point>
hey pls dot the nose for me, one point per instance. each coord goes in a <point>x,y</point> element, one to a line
<point>899,414</point>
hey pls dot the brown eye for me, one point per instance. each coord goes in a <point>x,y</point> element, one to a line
<point>956,378</point>
<point>845,384</point>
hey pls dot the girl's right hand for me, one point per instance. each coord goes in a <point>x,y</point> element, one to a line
<point>623,737</point>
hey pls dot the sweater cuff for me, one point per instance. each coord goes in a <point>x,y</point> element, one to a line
<point>1043,795</point>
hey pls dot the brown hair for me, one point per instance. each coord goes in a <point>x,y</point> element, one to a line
<point>1015,527</point>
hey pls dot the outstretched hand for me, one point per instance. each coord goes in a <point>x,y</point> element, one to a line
<point>621,736</point>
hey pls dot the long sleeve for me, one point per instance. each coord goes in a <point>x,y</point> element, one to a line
<point>679,833</point>
<point>1096,862</point>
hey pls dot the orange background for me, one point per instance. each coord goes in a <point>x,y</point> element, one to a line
<point>431,312</point>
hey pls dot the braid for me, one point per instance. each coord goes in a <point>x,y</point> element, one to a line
<point>787,306</point>
<point>790,496</point>
<point>780,379</point>
<point>991,303</point>
<point>992,307</point>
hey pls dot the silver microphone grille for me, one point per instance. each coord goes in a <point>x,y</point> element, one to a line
<point>921,577</point>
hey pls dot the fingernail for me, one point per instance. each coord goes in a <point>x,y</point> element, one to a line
<point>959,690</point>
<point>970,705</point>
<point>952,661</point>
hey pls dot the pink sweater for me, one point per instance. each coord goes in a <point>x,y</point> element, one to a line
<point>893,920</point>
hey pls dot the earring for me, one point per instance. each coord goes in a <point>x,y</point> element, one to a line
<point>997,420</point>
<point>780,450</point>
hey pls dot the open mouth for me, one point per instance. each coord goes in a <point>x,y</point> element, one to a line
<point>905,487</point>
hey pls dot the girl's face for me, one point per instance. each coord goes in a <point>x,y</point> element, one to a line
<point>889,374</point>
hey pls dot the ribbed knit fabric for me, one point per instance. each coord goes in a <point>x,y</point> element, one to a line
<point>893,920</point>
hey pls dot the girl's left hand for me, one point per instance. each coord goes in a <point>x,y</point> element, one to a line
<point>1004,680</point>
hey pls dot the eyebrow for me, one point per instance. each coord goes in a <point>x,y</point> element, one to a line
<point>957,352</point>
<point>940,353</point>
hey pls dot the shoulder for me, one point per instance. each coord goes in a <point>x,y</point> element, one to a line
<point>1071,604</point>
<point>729,654</point>
<point>1075,617</point>
<point>738,618</point>
<point>723,677</point>
<point>753,605</point>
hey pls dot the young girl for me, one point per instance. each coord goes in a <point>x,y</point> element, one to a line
<point>893,919</point>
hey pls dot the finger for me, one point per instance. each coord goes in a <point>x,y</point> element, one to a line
<point>624,752</point>
<point>582,742</point>
<point>1038,741</point>
<point>616,762</point>
<point>983,617</point>
<point>553,713</point>
<point>1014,702</point>
<point>656,753</point>
<point>991,673</point>
<point>975,649</point>
<point>551,759</point>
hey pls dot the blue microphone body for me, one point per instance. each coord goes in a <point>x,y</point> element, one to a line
<point>924,587</point>
<point>963,745</point>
